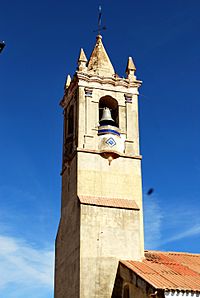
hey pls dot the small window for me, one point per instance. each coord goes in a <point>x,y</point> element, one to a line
<point>112,104</point>
<point>70,123</point>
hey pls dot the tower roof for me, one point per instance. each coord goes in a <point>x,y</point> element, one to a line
<point>99,62</point>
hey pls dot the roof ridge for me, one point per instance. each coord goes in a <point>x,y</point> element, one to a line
<point>173,252</point>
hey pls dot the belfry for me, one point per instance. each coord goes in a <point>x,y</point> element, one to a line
<point>101,213</point>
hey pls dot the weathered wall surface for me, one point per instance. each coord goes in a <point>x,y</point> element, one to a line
<point>67,263</point>
<point>122,179</point>
<point>92,239</point>
<point>144,291</point>
<point>107,235</point>
<point>137,287</point>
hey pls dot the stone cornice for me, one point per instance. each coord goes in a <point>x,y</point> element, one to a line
<point>83,79</point>
<point>119,154</point>
<point>114,81</point>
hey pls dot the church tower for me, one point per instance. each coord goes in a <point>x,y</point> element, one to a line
<point>101,210</point>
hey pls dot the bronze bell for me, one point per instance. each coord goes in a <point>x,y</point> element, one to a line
<point>106,118</point>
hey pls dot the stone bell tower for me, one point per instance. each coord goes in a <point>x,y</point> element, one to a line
<point>101,213</point>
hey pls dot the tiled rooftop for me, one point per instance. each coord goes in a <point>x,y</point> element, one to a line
<point>169,270</point>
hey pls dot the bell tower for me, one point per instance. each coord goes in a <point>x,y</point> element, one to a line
<point>101,211</point>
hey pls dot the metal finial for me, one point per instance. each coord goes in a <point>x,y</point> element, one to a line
<point>99,20</point>
<point>100,28</point>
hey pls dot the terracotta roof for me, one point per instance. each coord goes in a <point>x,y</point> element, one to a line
<point>112,202</point>
<point>169,270</point>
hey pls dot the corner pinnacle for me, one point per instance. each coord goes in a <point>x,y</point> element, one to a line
<point>130,68</point>
<point>82,56</point>
<point>130,64</point>
<point>68,81</point>
<point>82,60</point>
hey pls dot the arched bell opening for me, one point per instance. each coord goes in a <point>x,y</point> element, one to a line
<point>105,103</point>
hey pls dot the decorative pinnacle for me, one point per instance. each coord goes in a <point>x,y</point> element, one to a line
<point>82,56</point>
<point>68,81</point>
<point>130,69</point>
<point>130,64</point>
<point>82,60</point>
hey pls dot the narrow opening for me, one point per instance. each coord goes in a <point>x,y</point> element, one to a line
<point>112,104</point>
<point>126,292</point>
<point>70,124</point>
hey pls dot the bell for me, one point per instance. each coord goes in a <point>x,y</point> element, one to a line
<point>106,118</point>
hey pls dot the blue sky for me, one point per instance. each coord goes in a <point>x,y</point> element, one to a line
<point>43,39</point>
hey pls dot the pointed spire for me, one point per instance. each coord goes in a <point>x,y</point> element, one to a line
<point>68,81</point>
<point>82,57</point>
<point>99,62</point>
<point>130,69</point>
<point>82,60</point>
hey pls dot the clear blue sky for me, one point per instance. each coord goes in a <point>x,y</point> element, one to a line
<point>43,39</point>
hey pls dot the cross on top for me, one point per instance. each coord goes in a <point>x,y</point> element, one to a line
<point>100,28</point>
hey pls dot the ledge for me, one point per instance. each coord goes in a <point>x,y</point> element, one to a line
<point>139,157</point>
<point>108,202</point>
<point>118,153</point>
<point>112,80</point>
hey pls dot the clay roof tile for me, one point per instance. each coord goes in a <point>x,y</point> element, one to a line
<point>168,270</point>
